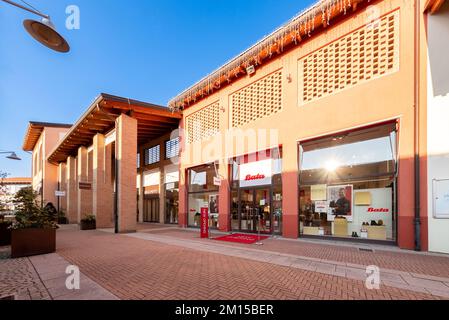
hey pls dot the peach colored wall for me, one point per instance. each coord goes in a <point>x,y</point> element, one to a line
<point>389,97</point>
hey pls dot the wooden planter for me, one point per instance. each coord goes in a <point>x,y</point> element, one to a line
<point>31,242</point>
<point>88,225</point>
<point>5,234</point>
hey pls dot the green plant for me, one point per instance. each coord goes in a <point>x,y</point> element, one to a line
<point>29,214</point>
<point>89,218</point>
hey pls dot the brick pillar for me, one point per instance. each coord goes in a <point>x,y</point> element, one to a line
<point>72,191</point>
<point>84,196</point>
<point>125,152</point>
<point>290,191</point>
<point>62,187</point>
<point>101,194</point>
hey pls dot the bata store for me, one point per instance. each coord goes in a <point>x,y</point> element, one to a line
<point>257,192</point>
<point>348,185</point>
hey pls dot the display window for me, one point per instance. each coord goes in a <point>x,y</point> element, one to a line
<point>348,184</point>
<point>203,192</point>
<point>257,192</point>
<point>171,195</point>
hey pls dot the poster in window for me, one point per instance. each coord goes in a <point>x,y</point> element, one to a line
<point>213,204</point>
<point>340,200</point>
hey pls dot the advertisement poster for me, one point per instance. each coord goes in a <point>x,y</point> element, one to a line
<point>340,199</point>
<point>213,204</point>
<point>204,223</point>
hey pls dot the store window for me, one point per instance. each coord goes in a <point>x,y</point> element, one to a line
<point>152,155</point>
<point>171,196</point>
<point>172,148</point>
<point>151,183</point>
<point>348,184</point>
<point>257,192</point>
<point>203,193</point>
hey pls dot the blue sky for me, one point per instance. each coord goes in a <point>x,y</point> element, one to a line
<point>145,50</point>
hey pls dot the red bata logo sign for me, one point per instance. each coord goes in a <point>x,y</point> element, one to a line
<point>256,177</point>
<point>383,210</point>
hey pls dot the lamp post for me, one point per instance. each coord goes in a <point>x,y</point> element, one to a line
<point>43,31</point>
<point>12,155</point>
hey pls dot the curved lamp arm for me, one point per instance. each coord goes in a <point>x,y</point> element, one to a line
<point>27,9</point>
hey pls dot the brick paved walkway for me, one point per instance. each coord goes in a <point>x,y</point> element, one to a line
<point>401,260</point>
<point>134,268</point>
<point>19,278</point>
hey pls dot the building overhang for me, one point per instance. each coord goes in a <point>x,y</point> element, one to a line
<point>35,130</point>
<point>303,27</point>
<point>153,121</point>
<point>432,6</point>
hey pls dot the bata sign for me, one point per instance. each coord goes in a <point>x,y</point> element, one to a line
<point>255,173</point>
<point>384,210</point>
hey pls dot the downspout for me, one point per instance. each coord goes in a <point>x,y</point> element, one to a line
<point>417,220</point>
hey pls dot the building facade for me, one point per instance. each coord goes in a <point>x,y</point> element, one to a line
<point>323,129</point>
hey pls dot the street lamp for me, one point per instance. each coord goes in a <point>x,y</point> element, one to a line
<point>12,155</point>
<point>44,31</point>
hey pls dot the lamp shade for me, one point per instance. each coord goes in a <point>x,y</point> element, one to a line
<point>45,33</point>
<point>13,156</point>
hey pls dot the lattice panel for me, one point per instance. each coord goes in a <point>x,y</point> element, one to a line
<point>366,54</point>
<point>259,100</point>
<point>204,123</point>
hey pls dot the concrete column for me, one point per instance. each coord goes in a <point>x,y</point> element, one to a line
<point>125,151</point>
<point>84,196</point>
<point>290,190</point>
<point>101,195</point>
<point>72,191</point>
<point>224,199</point>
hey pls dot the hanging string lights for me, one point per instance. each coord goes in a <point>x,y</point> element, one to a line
<point>289,35</point>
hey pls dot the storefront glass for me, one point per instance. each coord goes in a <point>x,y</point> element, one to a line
<point>203,193</point>
<point>257,192</point>
<point>348,185</point>
<point>171,189</point>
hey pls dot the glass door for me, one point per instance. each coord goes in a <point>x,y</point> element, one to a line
<point>255,210</point>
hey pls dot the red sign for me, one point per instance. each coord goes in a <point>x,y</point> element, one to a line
<point>204,223</point>
<point>256,177</point>
<point>383,210</point>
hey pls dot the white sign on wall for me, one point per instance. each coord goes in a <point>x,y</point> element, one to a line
<point>256,173</point>
<point>441,199</point>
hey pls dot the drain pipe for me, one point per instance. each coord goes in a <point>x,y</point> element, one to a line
<point>417,220</point>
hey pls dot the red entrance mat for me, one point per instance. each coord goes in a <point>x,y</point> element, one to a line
<point>242,238</point>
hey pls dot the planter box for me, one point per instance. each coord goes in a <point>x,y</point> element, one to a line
<point>88,225</point>
<point>31,242</point>
<point>5,234</point>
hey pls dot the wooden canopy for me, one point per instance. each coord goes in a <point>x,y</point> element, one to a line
<point>34,131</point>
<point>153,122</point>
<point>433,6</point>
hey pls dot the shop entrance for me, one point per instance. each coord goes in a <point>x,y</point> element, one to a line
<point>151,209</point>
<point>255,210</point>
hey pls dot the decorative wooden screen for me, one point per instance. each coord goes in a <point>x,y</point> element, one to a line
<point>259,100</point>
<point>204,123</point>
<point>365,54</point>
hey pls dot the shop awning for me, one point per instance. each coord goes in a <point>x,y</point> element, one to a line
<point>153,122</point>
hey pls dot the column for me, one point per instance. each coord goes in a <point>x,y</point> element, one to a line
<point>72,191</point>
<point>84,196</point>
<point>101,195</point>
<point>290,190</point>
<point>224,200</point>
<point>62,201</point>
<point>126,148</point>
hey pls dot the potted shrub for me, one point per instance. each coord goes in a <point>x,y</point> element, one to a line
<point>34,228</point>
<point>89,222</point>
<point>5,231</point>
<point>62,219</point>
